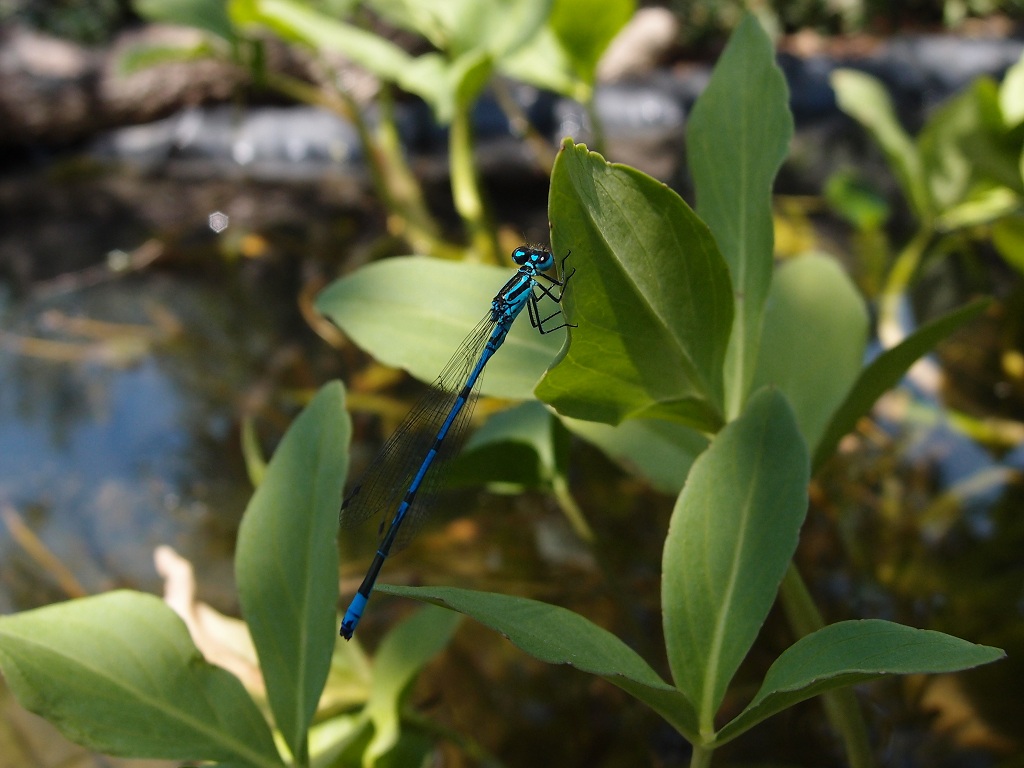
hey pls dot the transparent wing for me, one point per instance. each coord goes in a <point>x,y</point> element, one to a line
<point>381,489</point>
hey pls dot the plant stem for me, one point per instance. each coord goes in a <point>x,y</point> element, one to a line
<point>841,705</point>
<point>701,757</point>
<point>890,330</point>
<point>571,510</point>
<point>393,181</point>
<point>522,128</point>
<point>466,188</point>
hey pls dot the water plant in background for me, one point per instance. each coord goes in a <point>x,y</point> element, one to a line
<point>962,177</point>
<point>743,379</point>
<point>554,44</point>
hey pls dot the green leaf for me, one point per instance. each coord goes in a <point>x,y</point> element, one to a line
<point>586,27</point>
<point>210,15</point>
<point>884,372</point>
<point>853,652</point>
<point>732,534</point>
<point>457,27</point>
<point>815,331</point>
<point>558,636</point>
<point>140,57</point>
<point>402,654</point>
<point>543,62</point>
<point>294,20</point>
<point>1008,238</point>
<point>118,673</point>
<point>865,99</point>
<point>413,313</point>
<point>1011,94</point>
<point>661,452</point>
<point>651,295</point>
<point>965,151</point>
<point>737,138</point>
<point>287,562</point>
<point>516,446</point>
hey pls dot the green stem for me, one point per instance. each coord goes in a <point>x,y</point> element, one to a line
<point>890,331</point>
<point>596,127</point>
<point>840,705</point>
<point>394,183</point>
<point>701,757</point>
<point>571,510</point>
<point>466,189</point>
<point>522,128</point>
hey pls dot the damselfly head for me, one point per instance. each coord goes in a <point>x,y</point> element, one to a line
<point>536,257</point>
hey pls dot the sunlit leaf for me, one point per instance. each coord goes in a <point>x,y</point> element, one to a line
<point>295,20</point>
<point>730,540</point>
<point>413,313</point>
<point>1011,94</point>
<point>865,99</point>
<point>737,137</point>
<point>651,296</point>
<point>853,652</point>
<point>287,561</point>
<point>586,27</point>
<point>815,331</point>
<point>119,674</point>
<point>1008,238</point>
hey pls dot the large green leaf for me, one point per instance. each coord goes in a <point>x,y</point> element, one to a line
<point>413,313</point>
<point>852,652</point>
<point>119,673</point>
<point>402,654</point>
<point>732,534</point>
<point>651,296</point>
<point>884,372</point>
<point>558,636</point>
<point>287,561</point>
<point>815,331</point>
<point>737,138</point>
<point>865,99</point>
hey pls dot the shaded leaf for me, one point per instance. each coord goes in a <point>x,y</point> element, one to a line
<point>730,539</point>
<point>815,331</point>
<point>853,652</point>
<point>558,636</point>
<point>118,673</point>
<point>402,654</point>
<point>286,564</point>
<point>737,137</point>
<point>884,372</point>
<point>659,451</point>
<point>209,15</point>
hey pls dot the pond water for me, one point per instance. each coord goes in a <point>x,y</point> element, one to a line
<point>122,396</point>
